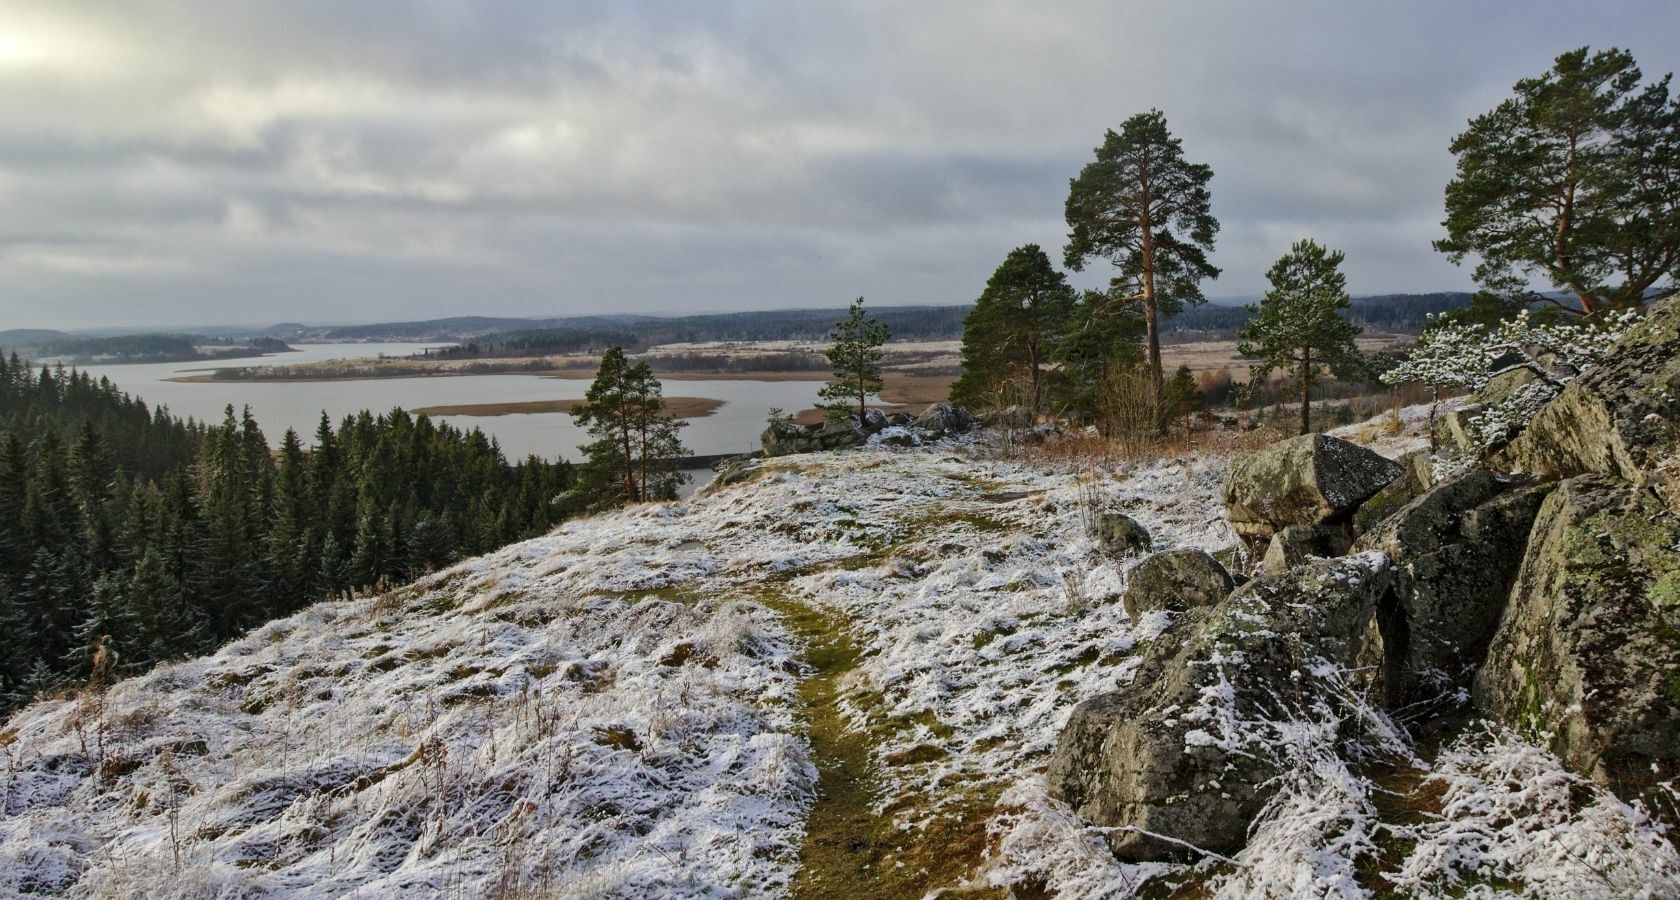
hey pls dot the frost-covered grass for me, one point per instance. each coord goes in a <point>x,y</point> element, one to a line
<point>508,726</point>
<point>645,704</point>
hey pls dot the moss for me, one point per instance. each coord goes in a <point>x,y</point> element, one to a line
<point>1664,593</point>
<point>851,849</point>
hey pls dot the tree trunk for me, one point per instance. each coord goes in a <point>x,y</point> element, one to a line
<point>1151,321</point>
<point>1306,390</point>
<point>629,463</point>
<point>1032,360</point>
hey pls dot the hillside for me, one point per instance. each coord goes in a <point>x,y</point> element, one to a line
<point>843,676</point>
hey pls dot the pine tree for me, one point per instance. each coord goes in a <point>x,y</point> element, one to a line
<point>1298,325</point>
<point>108,621</point>
<point>1146,210</point>
<point>855,355</point>
<point>1575,179</point>
<point>635,441</point>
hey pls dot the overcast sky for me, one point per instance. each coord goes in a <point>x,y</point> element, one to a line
<point>173,163</point>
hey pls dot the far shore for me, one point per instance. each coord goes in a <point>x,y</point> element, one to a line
<point>558,374</point>
<point>676,407</point>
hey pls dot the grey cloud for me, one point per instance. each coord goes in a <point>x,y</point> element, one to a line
<point>172,161</point>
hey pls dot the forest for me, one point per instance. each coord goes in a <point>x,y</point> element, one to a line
<point>125,529</point>
<point>137,348</point>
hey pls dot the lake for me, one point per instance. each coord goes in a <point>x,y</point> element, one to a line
<point>733,428</point>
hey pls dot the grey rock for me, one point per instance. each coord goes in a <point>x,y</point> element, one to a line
<point>1119,535</point>
<point>1153,759</point>
<point>1504,384</point>
<point>1622,417</point>
<point>1455,429</point>
<point>1176,580</point>
<point>1456,549</point>
<point>1587,653</point>
<point>785,438</point>
<point>1416,476</point>
<point>897,437</point>
<point>944,420</point>
<point>1304,480</point>
<point>874,420</point>
<point>1298,543</point>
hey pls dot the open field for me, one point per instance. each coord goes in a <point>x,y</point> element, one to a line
<point>1212,356</point>
<point>678,407</point>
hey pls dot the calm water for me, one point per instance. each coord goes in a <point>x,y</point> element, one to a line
<point>733,428</point>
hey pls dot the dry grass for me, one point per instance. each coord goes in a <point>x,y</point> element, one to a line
<point>1213,356</point>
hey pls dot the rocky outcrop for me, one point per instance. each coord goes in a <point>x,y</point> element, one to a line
<point>940,420</point>
<point>1180,758</point>
<point>1587,653</point>
<point>1556,605</point>
<point>1305,480</point>
<point>1621,418</point>
<point>1176,580</point>
<point>1119,535</point>
<point>784,438</point>
<point>1455,552</point>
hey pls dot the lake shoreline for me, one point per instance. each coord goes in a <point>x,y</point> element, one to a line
<point>676,407</point>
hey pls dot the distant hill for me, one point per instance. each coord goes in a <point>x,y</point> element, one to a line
<point>30,337</point>
<point>133,348</point>
<point>906,322</point>
<point>1404,313</point>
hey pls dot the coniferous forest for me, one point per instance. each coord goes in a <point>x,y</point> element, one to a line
<point>125,527</point>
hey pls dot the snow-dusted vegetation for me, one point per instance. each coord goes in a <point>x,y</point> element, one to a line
<point>636,705</point>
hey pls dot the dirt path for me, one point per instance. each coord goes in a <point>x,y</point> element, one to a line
<point>851,851</point>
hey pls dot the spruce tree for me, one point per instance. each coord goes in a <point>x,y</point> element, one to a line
<point>1183,399</point>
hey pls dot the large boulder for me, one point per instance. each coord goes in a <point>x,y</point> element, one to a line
<point>1176,580</point>
<point>785,438</point>
<point>1304,480</point>
<point>1456,549</point>
<point>944,420</point>
<point>1587,654</point>
<point>1184,755</point>
<point>1622,417</point>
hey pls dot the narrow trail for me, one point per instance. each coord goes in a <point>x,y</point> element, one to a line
<point>850,850</point>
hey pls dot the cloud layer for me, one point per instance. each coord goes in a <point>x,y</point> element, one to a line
<point>196,162</point>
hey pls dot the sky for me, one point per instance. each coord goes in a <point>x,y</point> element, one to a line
<point>220,162</point>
